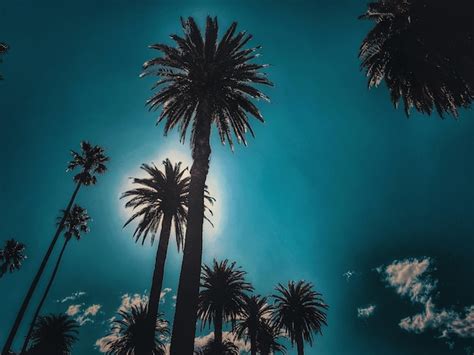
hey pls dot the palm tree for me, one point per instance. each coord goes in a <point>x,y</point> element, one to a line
<point>267,339</point>
<point>11,256</point>
<point>299,312</point>
<point>128,335</point>
<point>75,224</point>
<point>254,312</point>
<point>3,49</point>
<point>53,335</point>
<point>205,81</point>
<point>222,295</point>
<point>91,161</point>
<point>426,65</point>
<point>213,347</point>
<point>160,199</point>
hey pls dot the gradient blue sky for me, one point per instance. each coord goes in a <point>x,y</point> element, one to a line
<point>336,179</point>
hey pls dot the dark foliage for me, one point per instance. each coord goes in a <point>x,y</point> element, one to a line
<point>11,256</point>
<point>91,160</point>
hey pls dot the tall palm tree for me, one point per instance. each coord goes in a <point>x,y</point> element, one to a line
<point>426,65</point>
<point>159,200</point>
<point>53,335</point>
<point>222,295</point>
<point>299,312</point>
<point>91,161</point>
<point>254,312</point>
<point>11,256</point>
<point>3,49</point>
<point>203,81</point>
<point>267,339</point>
<point>128,335</point>
<point>75,224</point>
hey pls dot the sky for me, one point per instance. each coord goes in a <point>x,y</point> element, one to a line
<point>338,188</point>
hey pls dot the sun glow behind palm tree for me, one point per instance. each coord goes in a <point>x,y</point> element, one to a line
<point>179,153</point>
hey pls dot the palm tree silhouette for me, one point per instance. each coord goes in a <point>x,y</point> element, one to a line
<point>11,256</point>
<point>299,312</point>
<point>53,335</point>
<point>225,347</point>
<point>254,311</point>
<point>425,65</point>
<point>160,199</point>
<point>267,339</point>
<point>91,161</point>
<point>75,224</point>
<point>129,333</point>
<point>223,288</point>
<point>203,81</point>
<point>3,49</point>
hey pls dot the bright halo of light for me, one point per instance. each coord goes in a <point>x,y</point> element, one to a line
<point>178,153</point>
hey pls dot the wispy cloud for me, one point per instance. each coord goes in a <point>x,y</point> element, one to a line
<point>200,342</point>
<point>349,275</point>
<point>83,316</point>
<point>410,277</point>
<point>73,309</point>
<point>72,297</point>
<point>366,312</point>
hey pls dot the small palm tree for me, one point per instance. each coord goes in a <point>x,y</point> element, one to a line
<point>225,347</point>
<point>203,81</point>
<point>425,65</point>
<point>91,162</point>
<point>129,333</point>
<point>159,200</point>
<point>11,256</point>
<point>3,49</point>
<point>299,312</point>
<point>255,310</point>
<point>222,295</point>
<point>267,339</point>
<point>75,224</point>
<point>53,335</point>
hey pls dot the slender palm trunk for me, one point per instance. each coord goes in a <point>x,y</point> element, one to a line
<point>43,299</point>
<point>184,325</point>
<point>253,342</point>
<point>29,294</point>
<point>299,343</point>
<point>157,281</point>
<point>218,327</point>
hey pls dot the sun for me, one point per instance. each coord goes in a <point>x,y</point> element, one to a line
<point>178,153</point>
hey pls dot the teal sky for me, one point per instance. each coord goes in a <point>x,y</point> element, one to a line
<point>336,180</point>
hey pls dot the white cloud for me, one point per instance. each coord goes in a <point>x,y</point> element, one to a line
<point>73,309</point>
<point>163,294</point>
<point>409,277</point>
<point>72,297</point>
<point>366,312</point>
<point>349,274</point>
<point>92,310</point>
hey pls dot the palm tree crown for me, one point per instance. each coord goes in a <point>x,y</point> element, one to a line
<point>202,70</point>
<point>128,333</point>
<point>226,347</point>
<point>299,310</point>
<point>425,64</point>
<point>267,339</point>
<point>223,291</point>
<point>11,256</point>
<point>76,222</point>
<point>53,335</point>
<point>255,311</point>
<point>91,160</point>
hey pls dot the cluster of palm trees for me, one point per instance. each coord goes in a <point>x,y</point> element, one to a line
<point>208,80</point>
<point>225,297</point>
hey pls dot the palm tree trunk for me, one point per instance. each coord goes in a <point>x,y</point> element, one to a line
<point>184,325</point>
<point>43,299</point>
<point>218,327</point>
<point>253,343</point>
<point>157,281</point>
<point>299,343</point>
<point>29,294</point>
